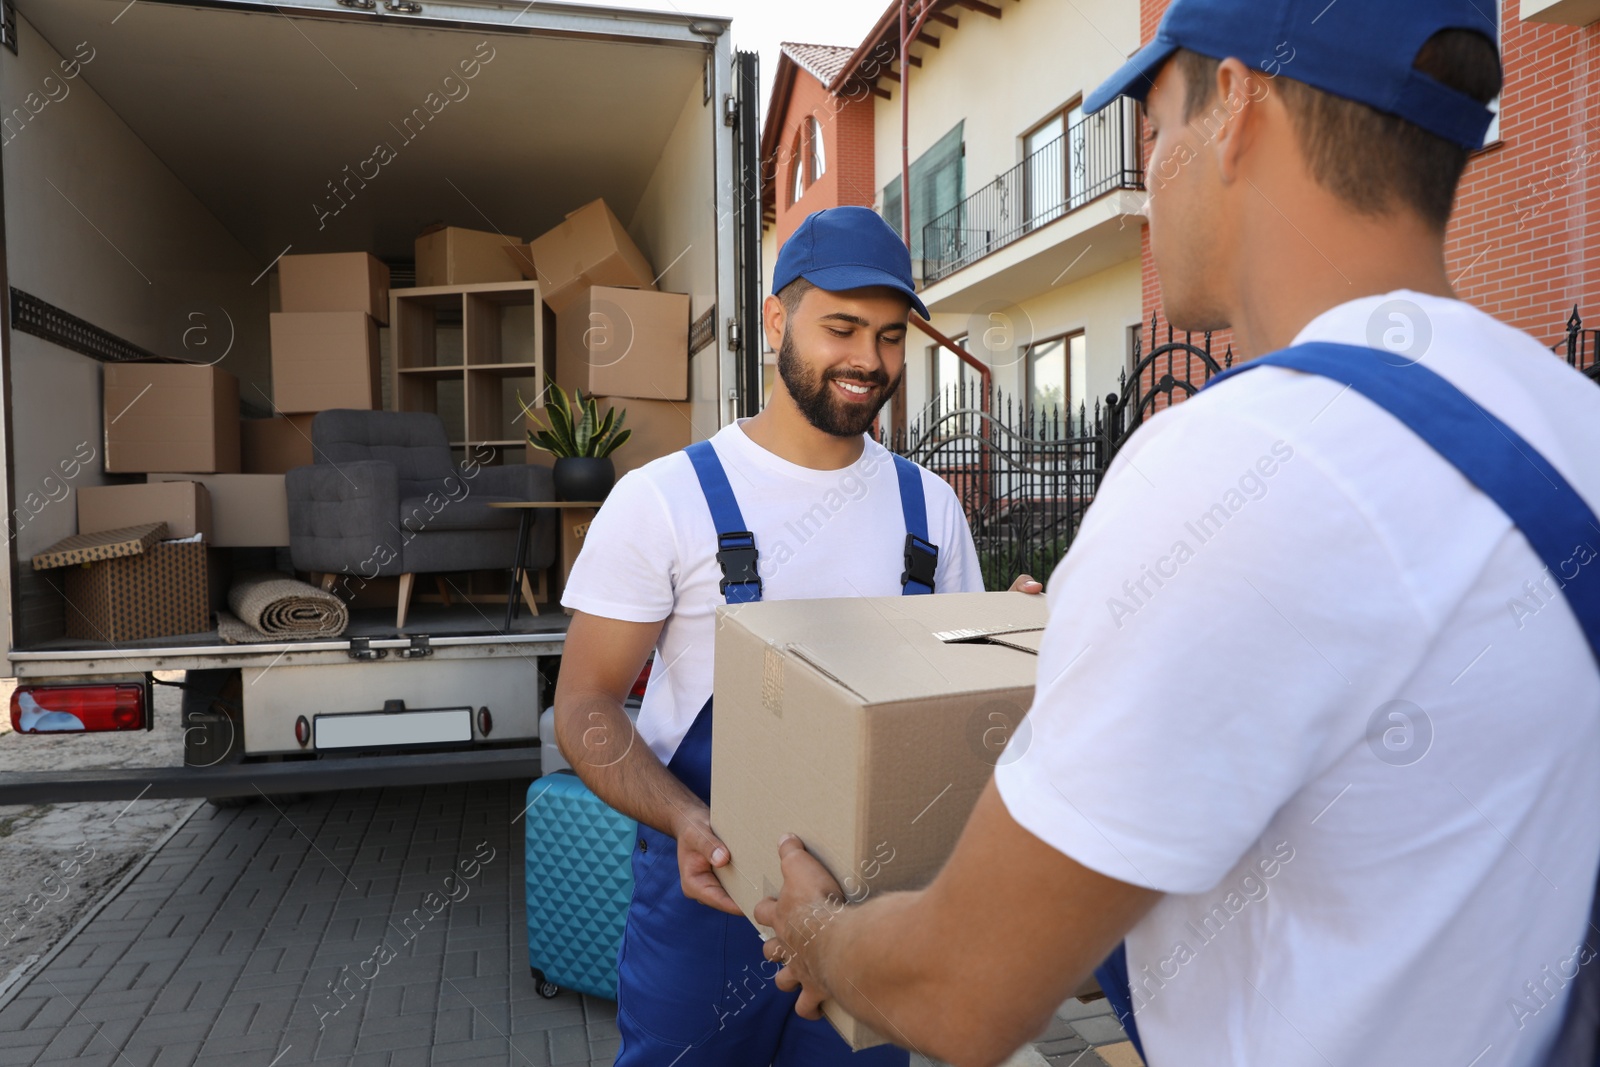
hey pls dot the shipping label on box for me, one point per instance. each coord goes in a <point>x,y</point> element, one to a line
<point>170,417</point>
<point>453,255</point>
<point>341,281</point>
<point>184,506</point>
<point>891,715</point>
<point>323,360</point>
<point>625,343</point>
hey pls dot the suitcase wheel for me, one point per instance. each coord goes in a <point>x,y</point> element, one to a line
<point>547,989</point>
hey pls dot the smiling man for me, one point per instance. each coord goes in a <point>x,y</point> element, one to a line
<point>795,503</point>
<point>1335,791</point>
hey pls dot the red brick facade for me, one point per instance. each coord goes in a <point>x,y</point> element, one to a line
<point>1519,243</point>
<point>848,143</point>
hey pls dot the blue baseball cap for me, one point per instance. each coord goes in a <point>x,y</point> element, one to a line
<point>843,248</point>
<point>1361,50</point>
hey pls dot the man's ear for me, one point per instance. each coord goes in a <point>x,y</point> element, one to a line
<point>774,319</point>
<point>1236,115</point>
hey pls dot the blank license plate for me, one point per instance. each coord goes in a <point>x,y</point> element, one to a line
<point>382,729</point>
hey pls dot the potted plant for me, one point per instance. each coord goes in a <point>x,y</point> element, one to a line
<point>581,441</point>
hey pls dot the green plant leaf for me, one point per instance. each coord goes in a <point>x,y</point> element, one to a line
<point>561,423</point>
<point>603,431</point>
<point>583,435</point>
<point>615,443</point>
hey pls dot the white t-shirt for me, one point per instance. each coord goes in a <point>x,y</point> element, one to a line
<point>1267,567</point>
<point>650,554</point>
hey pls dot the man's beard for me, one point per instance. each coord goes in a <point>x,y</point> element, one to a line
<point>816,400</point>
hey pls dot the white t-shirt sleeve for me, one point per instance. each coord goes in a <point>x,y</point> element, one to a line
<point>1207,653</point>
<point>958,570</point>
<point>629,564</point>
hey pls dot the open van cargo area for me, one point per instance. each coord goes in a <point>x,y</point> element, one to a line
<point>159,157</point>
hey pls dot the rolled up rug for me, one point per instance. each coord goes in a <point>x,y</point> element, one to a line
<point>277,607</point>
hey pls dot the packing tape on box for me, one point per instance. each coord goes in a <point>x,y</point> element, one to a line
<point>772,681</point>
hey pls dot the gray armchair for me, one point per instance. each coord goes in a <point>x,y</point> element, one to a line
<point>384,498</point>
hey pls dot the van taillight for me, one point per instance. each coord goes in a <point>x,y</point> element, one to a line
<point>61,709</point>
<point>642,681</point>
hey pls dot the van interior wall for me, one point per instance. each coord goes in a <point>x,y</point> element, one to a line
<point>676,226</point>
<point>97,226</point>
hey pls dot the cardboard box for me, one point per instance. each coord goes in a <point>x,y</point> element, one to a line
<point>184,506</point>
<point>521,257</point>
<point>589,248</point>
<point>573,527</point>
<point>127,584</point>
<point>247,510</point>
<point>625,342</point>
<point>341,281</point>
<point>276,446</point>
<point>451,255</point>
<point>170,417</point>
<point>323,360</point>
<point>891,714</point>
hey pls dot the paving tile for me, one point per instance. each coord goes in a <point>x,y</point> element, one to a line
<point>1100,1030</point>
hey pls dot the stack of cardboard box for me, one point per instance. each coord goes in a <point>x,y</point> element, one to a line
<point>617,337</point>
<point>325,340</point>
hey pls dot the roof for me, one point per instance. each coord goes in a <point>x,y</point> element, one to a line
<point>822,61</point>
<point>880,49</point>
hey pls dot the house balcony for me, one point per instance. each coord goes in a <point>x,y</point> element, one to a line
<point>1072,208</point>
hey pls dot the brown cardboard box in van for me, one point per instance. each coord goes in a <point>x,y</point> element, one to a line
<point>452,255</point>
<point>185,506</point>
<point>276,446</point>
<point>323,360</point>
<point>170,417</point>
<point>339,281</point>
<point>247,510</point>
<point>128,584</point>
<point>891,715</point>
<point>624,343</point>
<point>589,248</point>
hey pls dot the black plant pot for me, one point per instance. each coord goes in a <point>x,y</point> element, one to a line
<point>584,478</point>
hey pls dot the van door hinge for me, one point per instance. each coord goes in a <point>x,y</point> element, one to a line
<point>733,335</point>
<point>364,5</point>
<point>730,110</point>
<point>418,649</point>
<point>402,7</point>
<point>361,649</point>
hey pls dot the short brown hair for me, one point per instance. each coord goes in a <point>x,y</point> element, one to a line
<point>791,294</point>
<point>1374,161</point>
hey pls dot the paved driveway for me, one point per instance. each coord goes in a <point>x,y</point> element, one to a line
<point>379,928</point>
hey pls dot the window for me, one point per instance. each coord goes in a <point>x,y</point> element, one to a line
<point>1058,370</point>
<point>1055,166</point>
<point>949,376</point>
<point>818,157</point>
<point>938,185</point>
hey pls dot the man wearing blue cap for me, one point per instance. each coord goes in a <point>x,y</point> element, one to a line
<point>1312,760</point>
<point>795,503</point>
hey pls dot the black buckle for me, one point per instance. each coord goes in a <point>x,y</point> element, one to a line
<point>737,555</point>
<point>922,562</point>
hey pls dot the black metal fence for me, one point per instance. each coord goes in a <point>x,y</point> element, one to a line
<point>1025,477</point>
<point>1093,157</point>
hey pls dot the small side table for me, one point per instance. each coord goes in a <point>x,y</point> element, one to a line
<point>519,576</point>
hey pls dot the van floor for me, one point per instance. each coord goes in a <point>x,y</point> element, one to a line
<point>435,620</point>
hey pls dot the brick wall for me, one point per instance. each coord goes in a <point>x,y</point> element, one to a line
<point>1519,243</point>
<point>848,147</point>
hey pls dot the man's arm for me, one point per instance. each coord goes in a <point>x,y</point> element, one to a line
<point>601,661</point>
<point>972,967</point>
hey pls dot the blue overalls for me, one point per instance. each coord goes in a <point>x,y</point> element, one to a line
<point>1545,507</point>
<point>693,987</point>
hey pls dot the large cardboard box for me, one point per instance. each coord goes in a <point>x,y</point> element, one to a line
<point>660,427</point>
<point>323,360</point>
<point>184,506</point>
<point>247,510</point>
<point>276,446</point>
<point>127,584</point>
<point>589,248</point>
<point>451,255</point>
<point>170,417</point>
<point>340,281</point>
<point>625,342</point>
<point>890,714</point>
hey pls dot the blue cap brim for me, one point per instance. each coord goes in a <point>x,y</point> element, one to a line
<point>841,279</point>
<point>1135,77</point>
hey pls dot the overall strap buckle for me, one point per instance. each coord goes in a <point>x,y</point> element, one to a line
<point>922,563</point>
<point>737,555</point>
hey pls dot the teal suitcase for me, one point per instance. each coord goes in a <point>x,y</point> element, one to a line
<point>579,882</point>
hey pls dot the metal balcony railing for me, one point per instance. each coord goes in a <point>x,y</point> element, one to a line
<point>1093,157</point>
